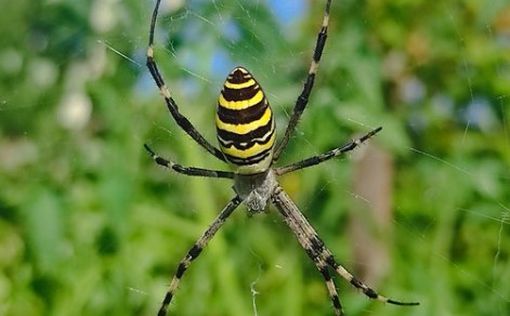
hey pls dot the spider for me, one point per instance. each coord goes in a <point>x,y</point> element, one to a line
<point>246,135</point>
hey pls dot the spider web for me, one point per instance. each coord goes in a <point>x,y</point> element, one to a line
<point>477,113</point>
<point>77,103</point>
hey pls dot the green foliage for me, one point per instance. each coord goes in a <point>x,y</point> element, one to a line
<point>90,226</point>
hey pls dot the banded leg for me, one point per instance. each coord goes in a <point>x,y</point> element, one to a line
<point>289,210</point>
<point>302,100</point>
<point>330,285</point>
<point>182,121</point>
<point>189,171</point>
<point>315,160</point>
<point>311,251</point>
<point>195,251</point>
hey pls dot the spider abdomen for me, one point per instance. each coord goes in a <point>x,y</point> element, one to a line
<point>244,123</point>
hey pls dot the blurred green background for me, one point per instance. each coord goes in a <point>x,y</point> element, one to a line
<point>89,225</point>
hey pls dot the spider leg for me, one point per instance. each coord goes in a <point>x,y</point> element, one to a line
<point>315,160</point>
<point>300,225</point>
<point>330,284</point>
<point>302,100</point>
<point>195,251</point>
<point>311,251</point>
<point>181,120</point>
<point>189,171</point>
<point>369,292</point>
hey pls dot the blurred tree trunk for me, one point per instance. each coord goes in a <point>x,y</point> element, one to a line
<point>370,221</point>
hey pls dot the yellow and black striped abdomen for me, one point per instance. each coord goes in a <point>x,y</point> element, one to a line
<point>244,123</point>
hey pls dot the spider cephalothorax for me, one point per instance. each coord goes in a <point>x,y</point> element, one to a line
<point>255,189</point>
<point>246,134</point>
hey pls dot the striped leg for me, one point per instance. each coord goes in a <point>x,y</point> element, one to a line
<point>333,295</point>
<point>302,100</point>
<point>301,226</point>
<point>182,121</point>
<point>360,285</point>
<point>312,161</point>
<point>195,251</point>
<point>189,171</point>
<point>311,250</point>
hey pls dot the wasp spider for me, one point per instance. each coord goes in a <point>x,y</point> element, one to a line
<point>246,134</point>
